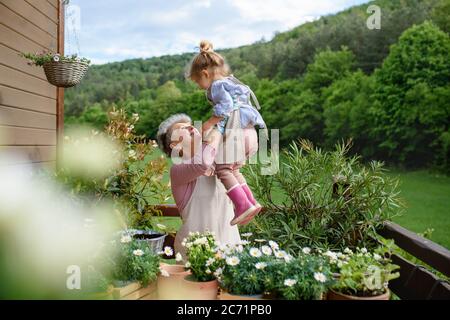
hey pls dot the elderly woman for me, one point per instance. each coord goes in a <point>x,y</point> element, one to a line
<point>200,197</point>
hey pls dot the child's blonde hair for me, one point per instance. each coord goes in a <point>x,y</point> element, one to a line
<point>207,58</point>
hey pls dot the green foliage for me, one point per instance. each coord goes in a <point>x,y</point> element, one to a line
<point>441,15</point>
<point>363,273</point>
<point>307,277</point>
<point>201,255</point>
<point>39,59</point>
<point>410,113</point>
<point>133,260</point>
<point>331,200</point>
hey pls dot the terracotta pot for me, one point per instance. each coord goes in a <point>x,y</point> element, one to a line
<point>224,295</point>
<point>172,287</point>
<point>333,295</point>
<point>201,290</point>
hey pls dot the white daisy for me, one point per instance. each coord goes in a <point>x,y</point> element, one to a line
<point>306,250</point>
<point>168,251</point>
<point>56,58</point>
<point>260,265</point>
<point>260,240</point>
<point>274,245</point>
<point>138,252</point>
<point>319,276</point>
<point>233,261</point>
<point>246,235</point>
<point>178,257</point>
<point>188,264</point>
<point>255,252</point>
<point>218,272</point>
<point>290,282</point>
<point>125,239</point>
<point>288,258</point>
<point>348,251</point>
<point>363,250</point>
<point>210,261</point>
<point>376,256</point>
<point>266,250</point>
<point>280,254</point>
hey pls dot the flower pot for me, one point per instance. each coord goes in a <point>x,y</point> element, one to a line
<point>333,295</point>
<point>200,290</point>
<point>172,287</point>
<point>65,73</point>
<point>224,295</point>
<point>154,239</point>
<point>135,291</point>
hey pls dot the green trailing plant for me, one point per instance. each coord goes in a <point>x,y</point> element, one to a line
<point>328,199</point>
<point>39,59</point>
<point>363,273</point>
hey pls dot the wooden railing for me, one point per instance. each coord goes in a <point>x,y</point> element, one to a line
<point>415,282</point>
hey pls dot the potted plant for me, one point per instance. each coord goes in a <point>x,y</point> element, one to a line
<point>171,278</point>
<point>243,270</point>
<point>60,70</point>
<point>134,268</point>
<point>363,275</point>
<point>203,263</point>
<point>305,277</point>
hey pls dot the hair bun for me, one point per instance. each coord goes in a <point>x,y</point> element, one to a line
<point>206,46</point>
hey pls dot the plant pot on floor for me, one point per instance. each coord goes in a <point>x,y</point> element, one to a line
<point>334,295</point>
<point>225,295</point>
<point>172,287</point>
<point>206,290</point>
<point>135,291</point>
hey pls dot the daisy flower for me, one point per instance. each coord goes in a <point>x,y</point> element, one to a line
<point>306,250</point>
<point>125,239</point>
<point>290,282</point>
<point>138,252</point>
<point>210,261</point>
<point>247,234</point>
<point>178,257</point>
<point>319,276</point>
<point>280,254</point>
<point>266,250</point>
<point>233,261</point>
<point>274,245</point>
<point>168,251</point>
<point>260,265</point>
<point>255,252</point>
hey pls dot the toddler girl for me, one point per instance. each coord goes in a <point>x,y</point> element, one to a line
<point>235,117</point>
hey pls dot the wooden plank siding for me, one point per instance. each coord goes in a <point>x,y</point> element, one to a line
<point>29,105</point>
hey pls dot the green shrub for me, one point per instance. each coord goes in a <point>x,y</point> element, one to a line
<point>328,199</point>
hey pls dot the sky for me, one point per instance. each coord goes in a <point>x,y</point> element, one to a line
<point>115,30</point>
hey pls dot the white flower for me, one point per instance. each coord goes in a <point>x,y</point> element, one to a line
<point>138,252</point>
<point>188,264</point>
<point>363,250</point>
<point>290,282</point>
<point>56,58</point>
<point>280,254</point>
<point>164,273</point>
<point>233,261</point>
<point>254,252</point>
<point>288,258</point>
<point>161,226</point>
<point>188,245</point>
<point>246,235</point>
<point>218,272</point>
<point>244,242</point>
<point>239,248</point>
<point>125,239</point>
<point>260,265</point>
<point>210,261</point>
<point>376,256</point>
<point>266,250</point>
<point>208,271</point>
<point>202,240</point>
<point>260,240</point>
<point>319,276</point>
<point>332,255</point>
<point>168,251</point>
<point>306,250</point>
<point>348,251</point>
<point>178,257</point>
<point>274,245</point>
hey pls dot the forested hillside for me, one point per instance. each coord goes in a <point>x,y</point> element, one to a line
<point>326,80</point>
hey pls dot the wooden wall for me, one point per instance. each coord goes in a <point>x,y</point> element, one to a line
<point>30,107</point>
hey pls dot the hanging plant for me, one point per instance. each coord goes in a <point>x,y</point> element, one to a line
<point>61,71</point>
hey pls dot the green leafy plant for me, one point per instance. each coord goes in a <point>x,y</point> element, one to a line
<point>362,273</point>
<point>201,250</point>
<point>133,260</point>
<point>39,59</point>
<point>328,199</point>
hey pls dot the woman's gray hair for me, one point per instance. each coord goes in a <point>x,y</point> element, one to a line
<point>164,132</point>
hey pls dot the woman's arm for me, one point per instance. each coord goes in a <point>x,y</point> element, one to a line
<point>202,161</point>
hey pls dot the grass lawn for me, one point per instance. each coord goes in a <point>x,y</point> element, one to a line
<point>427,199</point>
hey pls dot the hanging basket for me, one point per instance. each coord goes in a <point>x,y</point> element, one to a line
<point>65,73</point>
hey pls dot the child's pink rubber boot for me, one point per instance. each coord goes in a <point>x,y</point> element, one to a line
<point>243,208</point>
